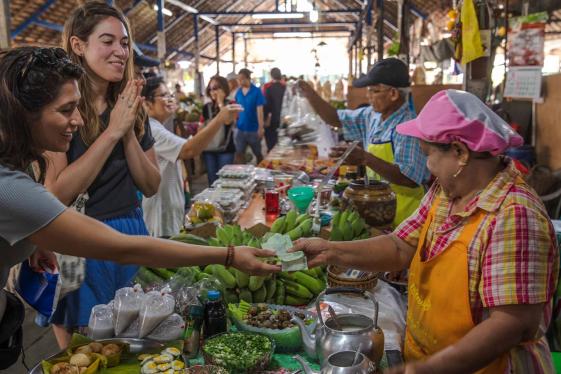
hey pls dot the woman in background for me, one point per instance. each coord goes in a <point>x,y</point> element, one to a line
<point>164,212</point>
<point>223,154</point>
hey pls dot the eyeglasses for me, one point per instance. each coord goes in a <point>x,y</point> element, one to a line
<point>166,96</point>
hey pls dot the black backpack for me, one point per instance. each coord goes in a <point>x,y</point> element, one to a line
<point>11,334</point>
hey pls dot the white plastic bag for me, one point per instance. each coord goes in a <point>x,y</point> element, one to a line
<point>126,307</point>
<point>100,325</point>
<point>171,328</point>
<point>155,308</point>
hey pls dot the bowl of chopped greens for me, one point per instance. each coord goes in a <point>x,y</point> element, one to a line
<point>239,352</point>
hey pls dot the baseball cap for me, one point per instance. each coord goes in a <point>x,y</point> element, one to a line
<point>454,115</point>
<point>389,71</point>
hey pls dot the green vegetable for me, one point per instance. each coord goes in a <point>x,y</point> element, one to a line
<point>224,276</point>
<point>280,293</point>
<point>238,351</point>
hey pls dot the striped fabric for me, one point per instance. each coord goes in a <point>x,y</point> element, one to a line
<point>513,258</point>
<point>366,126</point>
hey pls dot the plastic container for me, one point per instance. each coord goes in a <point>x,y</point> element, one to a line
<point>215,320</point>
<point>301,196</point>
<point>286,340</point>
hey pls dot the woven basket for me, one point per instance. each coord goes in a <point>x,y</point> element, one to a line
<point>367,282</point>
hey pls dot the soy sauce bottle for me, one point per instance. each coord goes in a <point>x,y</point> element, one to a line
<point>215,320</point>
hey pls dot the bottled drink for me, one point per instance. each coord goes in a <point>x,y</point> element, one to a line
<point>215,321</point>
<point>272,199</point>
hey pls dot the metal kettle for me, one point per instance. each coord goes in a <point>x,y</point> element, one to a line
<point>341,363</point>
<point>356,329</point>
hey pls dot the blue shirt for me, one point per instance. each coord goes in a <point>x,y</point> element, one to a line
<point>366,126</point>
<point>247,120</point>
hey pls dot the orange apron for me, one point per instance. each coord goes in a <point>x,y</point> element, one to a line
<point>439,312</point>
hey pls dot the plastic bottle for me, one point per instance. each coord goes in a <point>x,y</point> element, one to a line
<point>215,321</point>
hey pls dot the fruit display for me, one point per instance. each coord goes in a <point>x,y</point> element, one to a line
<point>348,225</point>
<point>295,225</point>
<point>202,212</point>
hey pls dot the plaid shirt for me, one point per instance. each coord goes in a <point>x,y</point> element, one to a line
<point>365,125</point>
<point>513,258</point>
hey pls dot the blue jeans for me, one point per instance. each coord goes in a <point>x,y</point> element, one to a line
<point>244,138</point>
<point>214,161</point>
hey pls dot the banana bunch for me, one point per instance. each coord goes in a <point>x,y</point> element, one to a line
<point>294,225</point>
<point>233,235</point>
<point>348,225</point>
<point>296,288</point>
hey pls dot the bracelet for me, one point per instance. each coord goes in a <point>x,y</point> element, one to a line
<point>229,257</point>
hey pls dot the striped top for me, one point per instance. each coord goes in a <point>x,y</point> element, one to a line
<point>512,259</point>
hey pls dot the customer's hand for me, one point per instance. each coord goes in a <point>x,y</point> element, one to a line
<point>356,157</point>
<point>315,250</point>
<point>124,112</point>
<point>247,260</point>
<point>229,113</point>
<point>305,88</point>
<point>43,259</point>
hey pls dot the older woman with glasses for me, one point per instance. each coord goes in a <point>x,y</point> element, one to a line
<point>164,212</point>
<point>222,149</point>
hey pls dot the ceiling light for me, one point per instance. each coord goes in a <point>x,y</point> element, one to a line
<point>292,35</point>
<point>166,11</point>
<point>278,15</point>
<point>184,64</point>
<point>314,15</point>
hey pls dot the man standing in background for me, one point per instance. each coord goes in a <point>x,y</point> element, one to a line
<point>274,93</point>
<point>251,126</point>
<point>233,84</point>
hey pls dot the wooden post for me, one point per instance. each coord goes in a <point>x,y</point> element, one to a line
<point>5,24</point>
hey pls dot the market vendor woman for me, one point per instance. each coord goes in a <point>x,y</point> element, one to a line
<point>481,250</point>
<point>388,155</point>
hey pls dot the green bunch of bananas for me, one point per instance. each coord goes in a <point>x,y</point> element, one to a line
<point>294,225</point>
<point>348,225</point>
<point>233,235</point>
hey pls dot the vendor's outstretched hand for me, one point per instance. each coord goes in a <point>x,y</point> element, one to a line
<point>315,250</point>
<point>356,157</point>
<point>247,260</point>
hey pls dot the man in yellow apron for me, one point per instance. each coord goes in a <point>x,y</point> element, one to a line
<point>388,155</point>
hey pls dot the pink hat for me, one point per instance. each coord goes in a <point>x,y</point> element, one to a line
<point>453,115</point>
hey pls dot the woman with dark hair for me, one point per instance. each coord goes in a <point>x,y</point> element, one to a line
<point>40,98</point>
<point>111,159</point>
<point>164,212</point>
<point>222,150</point>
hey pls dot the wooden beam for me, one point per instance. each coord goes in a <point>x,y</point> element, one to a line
<point>4,24</point>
